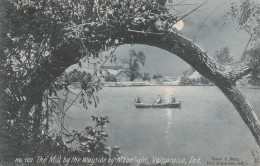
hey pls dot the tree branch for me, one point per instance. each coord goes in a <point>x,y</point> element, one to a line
<point>244,109</point>
<point>192,11</point>
<point>237,70</point>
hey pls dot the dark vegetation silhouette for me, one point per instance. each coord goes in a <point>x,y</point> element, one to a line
<point>157,76</point>
<point>223,56</point>
<point>133,63</point>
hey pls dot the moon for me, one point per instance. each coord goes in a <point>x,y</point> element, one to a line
<point>179,25</point>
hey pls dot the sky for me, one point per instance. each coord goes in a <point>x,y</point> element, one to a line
<point>206,26</point>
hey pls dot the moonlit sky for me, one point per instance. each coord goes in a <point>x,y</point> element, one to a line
<point>215,33</point>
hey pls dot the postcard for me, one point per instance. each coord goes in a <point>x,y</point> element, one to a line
<point>130,82</point>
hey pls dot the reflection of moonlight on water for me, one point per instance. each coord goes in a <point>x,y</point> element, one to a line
<point>169,121</point>
<point>168,94</point>
<point>179,25</point>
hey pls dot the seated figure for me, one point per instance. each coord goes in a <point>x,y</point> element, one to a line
<point>173,100</point>
<point>159,100</point>
<point>137,100</point>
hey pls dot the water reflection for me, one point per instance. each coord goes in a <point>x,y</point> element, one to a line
<point>192,130</point>
<point>168,93</point>
<point>169,121</point>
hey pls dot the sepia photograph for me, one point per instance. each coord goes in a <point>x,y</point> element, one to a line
<point>130,83</point>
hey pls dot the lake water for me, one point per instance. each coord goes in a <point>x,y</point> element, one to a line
<point>206,126</point>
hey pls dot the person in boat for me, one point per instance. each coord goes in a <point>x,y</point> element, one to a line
<point>173,99</point>
<point>159,99</point>
<point>137,100</point>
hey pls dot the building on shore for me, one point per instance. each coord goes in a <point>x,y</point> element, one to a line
<point>115,73</point>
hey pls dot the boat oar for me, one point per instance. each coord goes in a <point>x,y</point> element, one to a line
<point>153,103</point>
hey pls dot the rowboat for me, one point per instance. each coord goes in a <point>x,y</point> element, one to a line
<point>163,105</point>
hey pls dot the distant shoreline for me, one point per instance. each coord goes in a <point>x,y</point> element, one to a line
<point>135,84</point>
<point>151,85</point>
<point>141,84</point>
<point>181,85</point>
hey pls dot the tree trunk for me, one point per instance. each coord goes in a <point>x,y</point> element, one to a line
<point>224,77</point>
<point>244,109</point>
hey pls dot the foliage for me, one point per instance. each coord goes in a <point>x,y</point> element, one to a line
<point>110,78</point>
<point>91,142</point>
<point>223,56</point>
<point>146,77</point>
<point>76,76</point>
<point>133,69</point>
<point>185,81</point>
<point>35,30</point>
<point>88,92</point>
<point>254,78</point>
<point>247,15</point>
<point>188,72</point>
<point>157,76</point>
<point>41,34</point>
